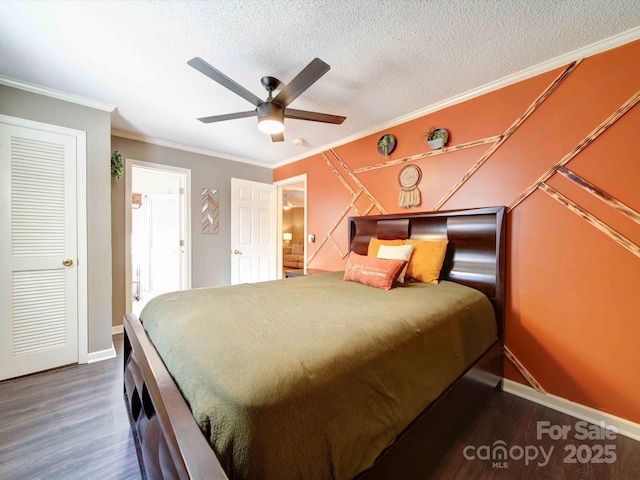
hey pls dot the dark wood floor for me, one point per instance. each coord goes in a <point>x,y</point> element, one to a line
<point>67,424</point>
<point>72,424</point>
<point>515,421</point>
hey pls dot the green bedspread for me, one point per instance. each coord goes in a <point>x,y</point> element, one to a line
<point>312,377</point>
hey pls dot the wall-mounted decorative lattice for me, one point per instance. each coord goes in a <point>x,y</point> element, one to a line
<point>349,177</point>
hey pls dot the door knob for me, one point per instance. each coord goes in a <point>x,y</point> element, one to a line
<point>67,262</point>
<point>237,252</point>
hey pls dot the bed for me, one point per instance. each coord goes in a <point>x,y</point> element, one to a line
<point>174,445</point>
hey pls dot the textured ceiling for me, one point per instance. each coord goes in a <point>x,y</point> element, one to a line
<point>388,58</point>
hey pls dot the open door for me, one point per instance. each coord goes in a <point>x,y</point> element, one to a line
<point>254,225</point>
<point>292,224</point>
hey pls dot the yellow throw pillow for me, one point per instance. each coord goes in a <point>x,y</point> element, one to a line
<point>374,245</point>
<point>426,260</point>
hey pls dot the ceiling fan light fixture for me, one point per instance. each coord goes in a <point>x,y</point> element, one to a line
<point>270,118</point>
<point>270,126</point>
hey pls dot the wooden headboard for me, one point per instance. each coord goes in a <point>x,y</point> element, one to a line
<point>475,253</point>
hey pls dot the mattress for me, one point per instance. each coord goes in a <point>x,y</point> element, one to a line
<point>312,379</point>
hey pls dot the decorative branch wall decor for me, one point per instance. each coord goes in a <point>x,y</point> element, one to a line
<point>523,371</point>
<point>431,153</point>
<point>589,139</point>
<point>625,210</point>
<point>496,142</point>
<point>503,138</point>
<point>593,220</point>
<point>409,178</point>
<point>362,190</point>
<point>210,208</point>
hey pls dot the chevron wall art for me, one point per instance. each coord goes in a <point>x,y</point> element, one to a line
<point>210,208</point>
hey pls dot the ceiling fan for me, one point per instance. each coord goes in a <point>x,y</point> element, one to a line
<point>272,111</point>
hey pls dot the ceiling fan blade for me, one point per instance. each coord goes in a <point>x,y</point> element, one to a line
<point>307,77</point>
<point>277,137</point>
<point>216,75</point>
<point>228,116</point>
<point>313,116</point>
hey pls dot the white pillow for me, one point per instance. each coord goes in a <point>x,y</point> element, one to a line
<point>400,252</point>
<point>297,250</point>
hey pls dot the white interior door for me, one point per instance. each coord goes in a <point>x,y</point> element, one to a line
<point>38,251</point>
<point>164,244</point>
<point>253,231</point>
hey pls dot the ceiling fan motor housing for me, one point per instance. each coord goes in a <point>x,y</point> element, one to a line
<point>270,117</point>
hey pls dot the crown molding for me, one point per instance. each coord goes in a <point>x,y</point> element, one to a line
<point>50,92</point>
<point>186,148</point>
<point>583,52</point>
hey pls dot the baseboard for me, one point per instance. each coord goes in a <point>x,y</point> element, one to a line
<point>102,355</point>
<point>591,415</point>
<point>116,329</point>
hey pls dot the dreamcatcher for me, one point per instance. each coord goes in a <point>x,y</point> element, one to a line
<point>409,178</point>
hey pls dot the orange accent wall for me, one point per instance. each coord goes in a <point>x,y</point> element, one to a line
<point>573,292</point>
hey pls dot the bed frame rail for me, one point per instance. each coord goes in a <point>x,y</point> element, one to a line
<point>170,440</point>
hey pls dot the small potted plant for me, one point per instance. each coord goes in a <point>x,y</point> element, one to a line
<point>386,144</point>
<point>116,165</point>
<point>436,138</point>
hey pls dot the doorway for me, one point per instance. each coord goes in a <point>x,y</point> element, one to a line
<point>158,251</point>
<point>292,225</point>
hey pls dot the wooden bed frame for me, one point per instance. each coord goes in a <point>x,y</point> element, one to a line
<point>170,443</point>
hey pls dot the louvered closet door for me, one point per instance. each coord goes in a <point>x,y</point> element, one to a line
<point>38,298</point>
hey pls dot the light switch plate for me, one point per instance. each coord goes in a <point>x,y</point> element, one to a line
<point>312,238</point>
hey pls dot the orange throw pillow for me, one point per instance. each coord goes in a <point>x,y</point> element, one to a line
<point>374,245</point>
<point>374,272</point>
<point>426,260</point>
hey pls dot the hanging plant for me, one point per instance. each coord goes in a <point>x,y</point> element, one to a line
<point>436,138</point>
<point>386,144</point>
<point>116,164</point>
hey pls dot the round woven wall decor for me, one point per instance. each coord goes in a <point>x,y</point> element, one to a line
<point>409,178</point>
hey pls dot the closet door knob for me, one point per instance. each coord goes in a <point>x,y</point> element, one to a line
<point>67,262</point>
<point>237,252</point>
